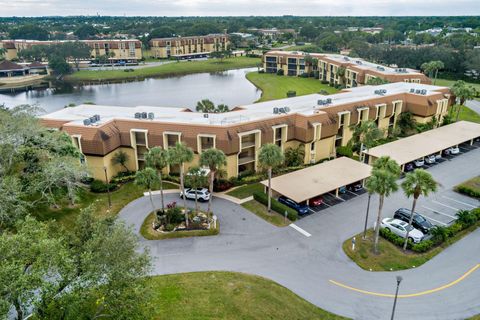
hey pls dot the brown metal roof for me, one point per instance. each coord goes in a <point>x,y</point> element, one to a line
<point>6,65</point>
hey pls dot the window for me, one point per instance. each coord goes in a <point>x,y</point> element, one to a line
<point>131,49</point>
<point>280,135</point>
<point>205,141</point>
<point>170,139</point>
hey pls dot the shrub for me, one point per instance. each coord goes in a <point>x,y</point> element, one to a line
<point>423,246</point>
<point>466,218</point>
<point>169,227</point>
<point>393,238</point>
<point>261,197</point>
<point>476,212</point>
<point>304,75</point>
<point>220,185</point>
<point>324,82</point>
<point>280,72</point>
<point>454,229</point>
<point>87,180</point>
<point>468,191</point>
<point>98,186</point>
<point>291,93</point>
<point>123,177</point>
<point>345,151</point>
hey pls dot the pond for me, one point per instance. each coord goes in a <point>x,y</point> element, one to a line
<point>228,87</point>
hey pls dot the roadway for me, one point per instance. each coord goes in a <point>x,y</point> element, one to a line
<point>309,260</point>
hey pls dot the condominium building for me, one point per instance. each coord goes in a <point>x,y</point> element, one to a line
<point>315,122</point>
<point>117,50</point>
<point>188,47</point>
<point>354,71</point>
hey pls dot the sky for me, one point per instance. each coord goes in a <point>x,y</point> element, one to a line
<point>240,7</point>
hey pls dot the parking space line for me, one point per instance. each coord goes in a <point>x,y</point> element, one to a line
<point>352,193</point>
<point>461,202</point>
<point>439,212</point>
<point>440,222</point>
<point>337,197</point>
<point>311,210</point>
<point>305,233</point>
<point>442,204</point>
<point>328,206</point>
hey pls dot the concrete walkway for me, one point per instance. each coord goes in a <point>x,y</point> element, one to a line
<point>474,105</point>
<point>316,268</point>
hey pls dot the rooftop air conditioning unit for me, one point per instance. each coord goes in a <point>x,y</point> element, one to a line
<point>151,115</point>
<point>205,115</point>
<point>424,92</point>
<point>86,122</point>
<point>358,62</point>
<point>418,91</point>
<point>287,109</point>
<point>320,102</point>
<point>328,101</point>
<point>275,110</point>
<point>144,115</point>
<point>93,119</point>
<point>412,90</point>
<point>138,115</point>
<point>97,117</point>
<point>281,110</point>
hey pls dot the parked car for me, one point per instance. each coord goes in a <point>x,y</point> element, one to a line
<point>451,151</point>
<point>300,208</point>
<point>202,194</point>
<point>430,159</point>
<point>342,190</point>
<point>355,187</point>
<point>419,222</point>
<point>438,156</point>
<point>419,163</point>
<point>409,167</point>
<point>315,202</point>
<point>400,228</point>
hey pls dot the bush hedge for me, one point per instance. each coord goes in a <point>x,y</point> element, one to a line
<point>439,234</point>
<point>99,186</point>
<point>261,197</point>
<point>471,192</point>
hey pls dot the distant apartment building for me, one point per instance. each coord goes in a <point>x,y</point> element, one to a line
<point>355,71</point>
<point>317,123</point>
<point>116,49</point>
<point>188,47</point>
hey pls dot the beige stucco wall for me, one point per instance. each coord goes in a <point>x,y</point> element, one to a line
<point>95,164</point>
<point>232,166</point>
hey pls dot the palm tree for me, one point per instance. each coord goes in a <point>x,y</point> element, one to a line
<point>370,192</point>
<point>213,159</point>
<point>416,184</point>
<point>147,178</point>
<point>463,92</point>
<point>121,158</point>
<point>157,158</point>
<point>221,108</point>
<point>432,67</point>
<point>205,106</point>
<point>383,182</point>
<point>367,134</point>
<point>270,156</point>
<point>179,155</point>
<point>196,179</point>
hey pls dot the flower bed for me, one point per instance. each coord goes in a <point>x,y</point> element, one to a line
<point>171,224</point>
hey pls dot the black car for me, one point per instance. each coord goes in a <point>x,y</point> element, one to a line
<point>419,222</point>
<point>409,167</point>
<point>355,187</point>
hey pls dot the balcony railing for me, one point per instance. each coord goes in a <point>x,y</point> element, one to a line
<point>245,160</point>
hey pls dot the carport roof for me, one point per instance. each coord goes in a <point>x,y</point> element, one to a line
<point>316,180</point>
<point>429,142</point>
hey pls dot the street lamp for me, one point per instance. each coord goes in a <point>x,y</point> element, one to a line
<point>399,279</point>
<point>108,188</point>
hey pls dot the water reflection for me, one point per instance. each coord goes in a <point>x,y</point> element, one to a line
<point>229,87</point>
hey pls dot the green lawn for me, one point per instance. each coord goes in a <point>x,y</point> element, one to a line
<point>449,83</point>
<point>246,191</point>
<point>470,187</point>
<point>228,295</point>
<point>391,257</point>
<point>176,68</point>
<point>148,233</point>
<point>466,114</point>
<point>67,215</point>
<point>276,87</point>
<point>261,211</point>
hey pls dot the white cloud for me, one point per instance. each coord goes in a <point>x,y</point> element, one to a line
<point>239,7</point>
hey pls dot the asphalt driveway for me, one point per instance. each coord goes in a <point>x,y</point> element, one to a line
<point>316,268</point>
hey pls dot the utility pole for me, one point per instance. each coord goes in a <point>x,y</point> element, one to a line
<point>399,279</point>
<point>108,188</point>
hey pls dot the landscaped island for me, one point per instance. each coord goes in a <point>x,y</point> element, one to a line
<point>169,69</point>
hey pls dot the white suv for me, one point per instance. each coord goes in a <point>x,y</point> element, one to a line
<point>419,163</point>
<point>202,194</point>
<point>430,159</point>
<point>400,228</point>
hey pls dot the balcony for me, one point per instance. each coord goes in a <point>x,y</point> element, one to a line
<point>248,144</point>
<point>245,160</point>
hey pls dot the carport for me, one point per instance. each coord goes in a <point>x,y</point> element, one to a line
<point>426,143</point>
<point>305,184</point>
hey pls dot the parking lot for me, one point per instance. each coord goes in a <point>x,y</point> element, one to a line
<point>440,210</point>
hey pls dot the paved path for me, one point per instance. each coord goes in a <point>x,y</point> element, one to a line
<point>307,265</point>
<point>474,105</point>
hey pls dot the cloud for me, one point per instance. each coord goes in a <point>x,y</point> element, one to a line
<point>239,7</point>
